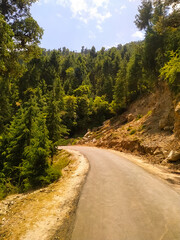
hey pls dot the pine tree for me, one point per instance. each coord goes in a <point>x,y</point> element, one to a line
<point>26,147</point>
<point>54,122</point>
<point>35,163</point>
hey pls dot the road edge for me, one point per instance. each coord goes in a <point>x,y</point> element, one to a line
<point>64,231</point>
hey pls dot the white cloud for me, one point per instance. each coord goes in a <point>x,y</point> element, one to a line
<point>138,34</point>
<point>99,28</point>
<point>123,7</point>
<point>110,46</point>
<point>119,11</point>
<point>86,10</point>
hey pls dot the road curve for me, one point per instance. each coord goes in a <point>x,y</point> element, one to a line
<point>121,201</point>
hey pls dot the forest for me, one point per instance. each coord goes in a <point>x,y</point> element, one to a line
<point>48,96</point>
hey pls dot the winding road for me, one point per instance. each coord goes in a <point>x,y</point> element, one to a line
<point>122,201</point>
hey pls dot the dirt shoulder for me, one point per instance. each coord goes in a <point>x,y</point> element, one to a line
<point>47,213</point>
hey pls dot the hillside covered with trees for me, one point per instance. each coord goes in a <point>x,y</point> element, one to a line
<point>47,96</point>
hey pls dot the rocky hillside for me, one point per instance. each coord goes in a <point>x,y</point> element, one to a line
<point>150,127</point>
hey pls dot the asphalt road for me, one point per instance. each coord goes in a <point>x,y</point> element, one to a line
<point>121,201</point>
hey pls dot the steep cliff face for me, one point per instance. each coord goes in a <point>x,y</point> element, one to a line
<point>150,127</point>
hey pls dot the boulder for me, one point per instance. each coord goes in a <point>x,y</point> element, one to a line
<point>162,123</point>
<point>130,117</point>
<point>173,156</point>
<point>168,128</point>
<point>167,119</point>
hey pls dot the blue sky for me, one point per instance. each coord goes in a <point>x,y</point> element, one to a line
<point>77,23</point>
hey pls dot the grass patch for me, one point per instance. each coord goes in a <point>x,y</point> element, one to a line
<point>141,128</point>
<point>6,188</point>
<point>60,161</point>
<point>69,141</point>
<point>98,137</point>
<point>139,116</point>
<point>133,131</point>
<point>149,113</point>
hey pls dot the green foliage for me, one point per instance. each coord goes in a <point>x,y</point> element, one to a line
<point>143,19</point>
<point>9,68</point>
<point>6,188</point>
<point>82,90</point>
<point>83,111</point>
<point>27,32</point>
<point>100,110</point>
<point>6,44</point>
<point>120,90</point>
<point>54,172</point>
<point>26,147</point>
<point>70,115</point>
<point>139,116</point>
<point>134,75</point>
<point>171,70</point>
<point>54,122</point>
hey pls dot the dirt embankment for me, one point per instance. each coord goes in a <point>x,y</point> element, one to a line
<point>47,213</point>
<point>150,127</point>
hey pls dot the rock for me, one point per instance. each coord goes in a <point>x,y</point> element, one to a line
<point>94,140</point>
<point>167,119</point>
<point>173,156</point>
<point>177,120</point>
<point>85,139</point>
<point>87,134</point>
<point>168,128</point>
<point>130,117</point>
<point>162,124</point>
<point>158,152</point>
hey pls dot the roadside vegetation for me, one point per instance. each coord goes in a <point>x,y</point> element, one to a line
<point>54,172</point>
<point>48,96</point>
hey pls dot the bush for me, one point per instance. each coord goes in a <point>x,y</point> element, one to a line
<point>6,188</point>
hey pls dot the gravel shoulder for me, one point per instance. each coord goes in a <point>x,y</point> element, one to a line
<point>48,213</point>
